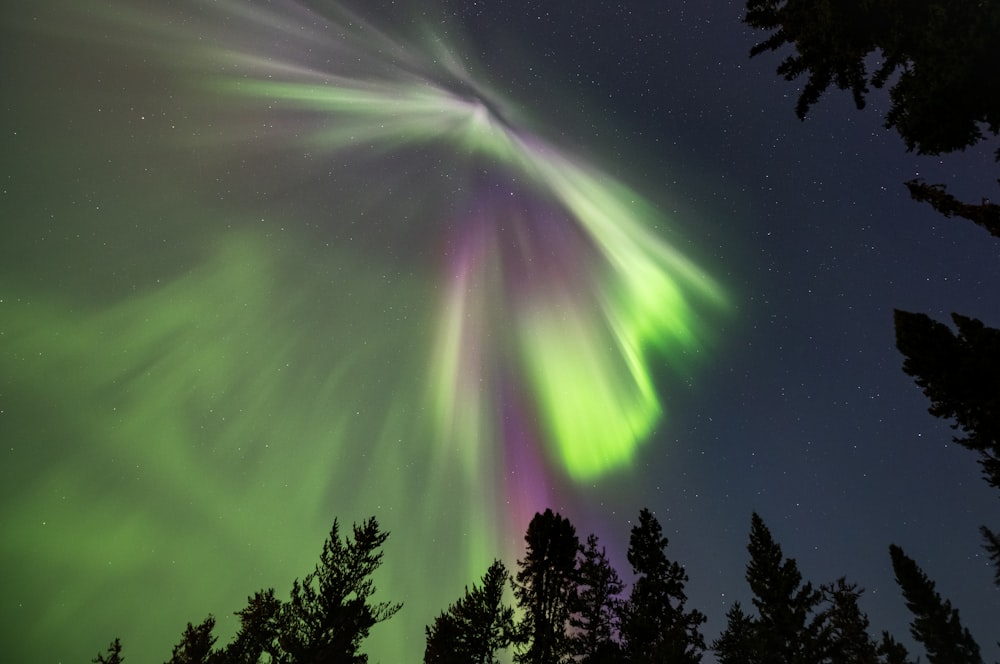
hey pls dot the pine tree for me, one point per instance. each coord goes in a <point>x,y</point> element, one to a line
<point>114,654</point>
<point>935,623</point>
<point>960,374</point>
<point>891,651</point>
<point>196,644</point>
<point>596,607</point>
<point>260,627</point>
<point>738,642</point>
<point>788,629</point>
<point>849,640</point>
<point>475,627</point>
<point>329,614</point>
<point>992,547</point>
<point>545,588</point>
<point>656,628</point>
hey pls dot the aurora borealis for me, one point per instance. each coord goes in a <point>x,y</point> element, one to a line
<point>489,336</point>
<point>268,263</point>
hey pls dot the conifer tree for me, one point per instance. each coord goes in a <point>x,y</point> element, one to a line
<point>891,651</point>
<point>260,628</point>
<point>936,56</point>
<point>738,642</point>
<point>545,588</point>
<point>329,613</point>
<point>847,626</point>
<point>196,644</point>
<point>475,627</point>
<point>114,654</point>
<point>596,607</point>
<point>789,628</point>
<point>935,623</point>
<point>960,375</point>
<point>655,627</point>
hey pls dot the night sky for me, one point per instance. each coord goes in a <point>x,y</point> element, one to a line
<point>264,264</point>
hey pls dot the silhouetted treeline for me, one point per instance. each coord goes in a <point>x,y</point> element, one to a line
<point>939,59</point>
<point>566,603</point>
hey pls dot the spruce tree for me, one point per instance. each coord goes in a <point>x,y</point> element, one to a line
<point>655,627</point>
<point>935,623</point>
<point>114,654</point>
<point>891,651</point>
<point>847,626</point>
<point>475,627</point>
<point>260,628</point>
<point>788,628</point>
<point>935,56</point>
<point>738,642</point>
<point>545,588</point>
<point>196,643</point>
<point>329,612</point>
<point>596,607</point>
<point>934,52</point>
<point>960,374</point>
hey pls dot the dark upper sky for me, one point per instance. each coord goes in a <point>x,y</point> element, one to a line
<point>223,323</point>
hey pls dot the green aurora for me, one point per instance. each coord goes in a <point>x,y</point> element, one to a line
<point>237,305</point>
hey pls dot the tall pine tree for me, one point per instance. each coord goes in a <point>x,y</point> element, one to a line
<point>935,623</point>
<point>789,627</point>
<point>596,607</point>
<point>655,627</point>
<point>545,588</point>
<point>789,631</point>
<point>960,375</point>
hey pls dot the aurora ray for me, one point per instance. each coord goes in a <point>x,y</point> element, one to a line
<point>585,306</point>
<point>400,289</point>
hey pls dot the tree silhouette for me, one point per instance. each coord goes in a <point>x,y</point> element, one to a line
<point>960,374</point>
<point>474,627</point>
<point>789,628</point>
<point>935,623</point>
<point>545,588</point>
<point>596,606</point>
<point>260,627</point>
<point>114,654</point>
<point>939,55</point>
<point>847,626</point>
<point>984,214</point>
<point>329,613</point>
<point>943,52</point>
<point>738,642</point>
<point>656,628</point>
<point>891,651</point>
<point>196,644</point>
